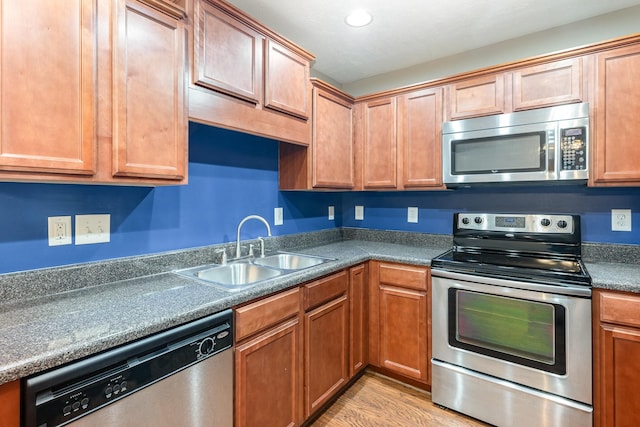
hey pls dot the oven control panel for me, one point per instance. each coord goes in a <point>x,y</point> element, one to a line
<point>515,223</point>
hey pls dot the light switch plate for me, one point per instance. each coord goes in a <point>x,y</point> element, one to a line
<point>59,230</point>
<point>359,213</point>
<point>93,229</point>
<point>620,219</point>
<point>332,213</point>
<point>278,216</point>
<point>412,215</point>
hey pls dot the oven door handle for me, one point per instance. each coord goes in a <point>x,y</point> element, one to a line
<point>577,291</point>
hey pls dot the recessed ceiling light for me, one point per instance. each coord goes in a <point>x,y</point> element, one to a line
<point>358,18</point>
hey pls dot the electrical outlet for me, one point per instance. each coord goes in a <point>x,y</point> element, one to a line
<point>620,219</point>
<point>412,215</point>
<point>93,229</point>
<point>332,213</point>
<point>359,213</point>
<point>59,230</point>
<point>277,216</point>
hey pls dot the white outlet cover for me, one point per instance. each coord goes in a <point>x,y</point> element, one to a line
<point>620,219</point>
<point>278,216</point>
<point>359,213</point>
<point>412,215</point>
<point>59,230</point>
<point>92,229</point>
<point>332,213</point>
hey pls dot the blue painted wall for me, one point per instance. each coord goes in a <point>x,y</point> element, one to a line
<point>233,175</point>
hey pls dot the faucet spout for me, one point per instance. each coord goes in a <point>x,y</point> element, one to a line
<point>245,219</point>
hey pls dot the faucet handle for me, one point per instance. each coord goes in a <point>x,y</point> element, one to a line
<point>251,250</point>
<point>223,261</point>
<point>261,239</point>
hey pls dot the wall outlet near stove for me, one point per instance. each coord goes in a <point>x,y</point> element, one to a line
<point>620,219</point>
<point>59,230</point>
<point>412,215</point>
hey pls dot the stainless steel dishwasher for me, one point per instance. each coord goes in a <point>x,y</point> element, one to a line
<point>179,377</point>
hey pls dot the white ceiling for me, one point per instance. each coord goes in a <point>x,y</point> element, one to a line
<point>410,32</point>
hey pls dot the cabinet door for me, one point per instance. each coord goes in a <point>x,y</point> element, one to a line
<point>559,82</point>
<point>48,86</point>
<point>326,347</point>
<point>617,126</point>
<point>10,404</point>
<point>227,54</point>
<point>267,378</point>
<point>358,319</point>
<point>420,138</point>
<point>620,374</point>
<point>379,168</point>
<point>286,80</point>
<point>480,96</point>
<point>148,94</point>
<point>332,141</point>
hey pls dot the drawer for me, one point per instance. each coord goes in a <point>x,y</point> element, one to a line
<point>623,309</point>
<point>404,276</point>
<point>325,289</point>
<point>267,312</point>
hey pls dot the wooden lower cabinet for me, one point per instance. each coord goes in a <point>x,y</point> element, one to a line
<point>399,306</point>
<point>10,404</point>
<point>358,319</point>
<point>616,359</point>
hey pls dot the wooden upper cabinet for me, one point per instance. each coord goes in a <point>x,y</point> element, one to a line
<point>617,105</point>
<point>479,96</point>
<point>332,140</point>
<point>227,54</point>
<point>48,86</point>
<point>149,135</point>
<point>420,138</point>
<point>286,80</point>
<point>559,82</point>
<point>379,144</point>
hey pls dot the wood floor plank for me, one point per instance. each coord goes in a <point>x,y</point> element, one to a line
<point>377,401</point>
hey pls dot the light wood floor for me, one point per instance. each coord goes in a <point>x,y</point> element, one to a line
<point>377,401</point>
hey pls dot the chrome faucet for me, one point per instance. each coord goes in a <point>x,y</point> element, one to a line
<point>245,219</point>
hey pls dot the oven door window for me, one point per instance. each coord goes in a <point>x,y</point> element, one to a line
<point>500,154</point>
<point>528,333</point>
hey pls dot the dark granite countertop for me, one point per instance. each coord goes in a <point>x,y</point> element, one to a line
<point>55,316</point>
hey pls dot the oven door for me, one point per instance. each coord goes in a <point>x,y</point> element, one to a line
<point>532,337</point>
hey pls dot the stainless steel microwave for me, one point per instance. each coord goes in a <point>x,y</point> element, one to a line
<point>547,144</point>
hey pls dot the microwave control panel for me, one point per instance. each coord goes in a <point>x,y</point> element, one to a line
<point>573,148</point>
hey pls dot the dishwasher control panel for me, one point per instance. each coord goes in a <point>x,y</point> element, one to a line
<point>60,396</point>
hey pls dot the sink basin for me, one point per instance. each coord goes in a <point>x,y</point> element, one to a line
<point>289,261</point>
<point>232,276</point>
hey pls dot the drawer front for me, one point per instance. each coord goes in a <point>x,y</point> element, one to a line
<point>404,276</point>
<point>320,291</point>
<point>620,308</point>
<point>267,312</point>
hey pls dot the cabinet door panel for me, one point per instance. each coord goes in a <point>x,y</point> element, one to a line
<point>332,141</point>
<point>358,319</point>
<point>480,96</point>
<point>149,117</point>
<point>286,81</point>
<point>227,54</point>
<point>10,404</point>
<point>379,169</point>
<point>403,331</point>
<point>620,364</point>
<point>326,347</point>
<point>543,85</point>
<point>267,372</point>
<point>617,127</point>
<point>420,135</point>
<point>48,86</point>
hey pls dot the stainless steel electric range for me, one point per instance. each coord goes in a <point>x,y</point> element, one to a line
<point>511,321</point>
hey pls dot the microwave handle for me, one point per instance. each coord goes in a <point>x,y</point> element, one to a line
<point>551,154</point>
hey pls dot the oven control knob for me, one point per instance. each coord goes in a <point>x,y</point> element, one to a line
<point>562,224</point>
<point>465,221</point>
<point>478,220</point>
<point>545,222</point>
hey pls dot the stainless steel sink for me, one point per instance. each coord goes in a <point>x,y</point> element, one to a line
<point>290,261</point>
<point>244,273</point>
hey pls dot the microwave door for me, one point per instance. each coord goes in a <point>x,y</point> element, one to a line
<point>513,154</point>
